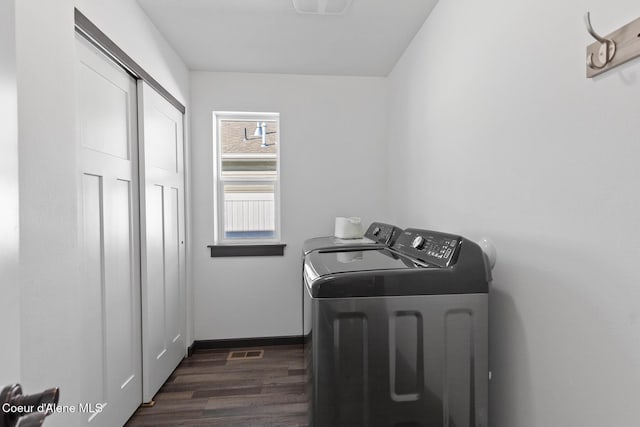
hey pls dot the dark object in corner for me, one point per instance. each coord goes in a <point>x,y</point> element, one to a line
<point>26,410</point>
<point>35,419</point>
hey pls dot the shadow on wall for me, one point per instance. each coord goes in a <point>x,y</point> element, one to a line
<point>510,389</point>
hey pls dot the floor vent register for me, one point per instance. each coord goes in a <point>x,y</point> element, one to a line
<point>245,355</point>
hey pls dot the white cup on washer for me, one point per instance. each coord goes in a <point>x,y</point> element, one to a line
<point>348,227</point>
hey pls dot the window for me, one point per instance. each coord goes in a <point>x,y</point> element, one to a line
<point>246,175</point>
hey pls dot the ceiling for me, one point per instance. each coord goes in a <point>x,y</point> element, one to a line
<point>269,36</point>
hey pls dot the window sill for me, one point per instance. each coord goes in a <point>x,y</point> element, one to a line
<point>271,249</point>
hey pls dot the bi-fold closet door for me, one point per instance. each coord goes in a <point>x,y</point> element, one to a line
<point>131,223</point>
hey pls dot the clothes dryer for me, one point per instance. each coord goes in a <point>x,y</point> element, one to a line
<point>398,336</point>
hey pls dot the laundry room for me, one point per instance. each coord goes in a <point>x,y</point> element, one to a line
<point>164,165</point>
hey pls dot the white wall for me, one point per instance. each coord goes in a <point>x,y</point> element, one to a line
<point>50,342</point>
<point>9,217</point>
<point>51,334</point>
<point>332,164</point>
<point>497,132</point>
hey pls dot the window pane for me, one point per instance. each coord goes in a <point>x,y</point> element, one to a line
<point>247,160</point>
<point>232,133</point>
<point>249,211</point>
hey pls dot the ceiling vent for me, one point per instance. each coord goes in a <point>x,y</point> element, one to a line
<point>321,7</point>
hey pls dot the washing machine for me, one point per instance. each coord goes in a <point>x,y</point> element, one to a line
<point>378,234</point>
<point>398,336</point>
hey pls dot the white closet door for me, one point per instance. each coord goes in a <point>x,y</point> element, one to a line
<point>109,230</point>
<point>163,238</point>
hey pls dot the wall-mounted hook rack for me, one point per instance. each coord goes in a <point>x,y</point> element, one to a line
<point>606,51</point>
<point>615,49</point>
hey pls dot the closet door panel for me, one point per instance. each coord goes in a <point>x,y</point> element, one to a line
<point>163,240</point>
<point>109,229</point>
<point>155,281</point>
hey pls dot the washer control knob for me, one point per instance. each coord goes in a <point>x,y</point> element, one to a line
<point>376,231</point>
<point>418,242</point>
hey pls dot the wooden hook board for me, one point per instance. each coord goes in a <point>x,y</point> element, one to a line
<point>627,40</point>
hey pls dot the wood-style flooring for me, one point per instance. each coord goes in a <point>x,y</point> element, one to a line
<point>208,390</point>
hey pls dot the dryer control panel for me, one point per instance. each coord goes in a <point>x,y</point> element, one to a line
<point>431,247</point>
<point>382,233</point>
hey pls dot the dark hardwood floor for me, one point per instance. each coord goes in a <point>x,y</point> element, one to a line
<point>208,390</point>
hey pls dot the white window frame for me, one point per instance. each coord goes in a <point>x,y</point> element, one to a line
<point>219,181</point>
